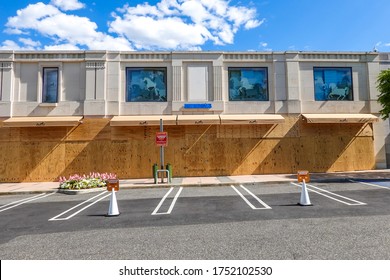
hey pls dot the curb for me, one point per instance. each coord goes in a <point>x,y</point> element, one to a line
<point>338,178</point>
<point>28,192</point>
<point>81,191</point>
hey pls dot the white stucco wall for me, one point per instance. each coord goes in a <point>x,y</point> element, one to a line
<point>94,83</point>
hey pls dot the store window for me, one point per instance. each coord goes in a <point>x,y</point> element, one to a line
<point>333,83</point>
<point>146,84</point>
<point>248,84</point>
<point>50,85</point>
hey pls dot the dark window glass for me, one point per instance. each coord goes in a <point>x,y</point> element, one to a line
<point>332,84</point>
<point>248,84</point>
<point>50,85</point>
<point>146,84</point>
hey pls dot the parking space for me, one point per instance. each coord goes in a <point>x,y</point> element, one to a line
<point>12,202</point>
<point>383,184</point>
<point>253,201</point>
<point>331,195</point>
<point>192,205</point>
<point>166,204</point>
<point>74,210</point>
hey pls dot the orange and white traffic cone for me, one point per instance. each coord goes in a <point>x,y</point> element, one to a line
<point>305,200</point>
<point>113,208</point>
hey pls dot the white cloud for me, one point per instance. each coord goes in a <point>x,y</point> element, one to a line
<point>218,6</point>
<point>168,33</point>
<point>169,24</point>
<point>26,44</point>
<point>264,46</point>
<point>68,5</point>
<point>30,17</point>
<point>168,7</point>
<point>253,24</point>
<point>29,43</point>
<point>64,29</point>
<point>68,47</point>
<point>9,45</point>
<point>182,24</point>
<point>380,46</point>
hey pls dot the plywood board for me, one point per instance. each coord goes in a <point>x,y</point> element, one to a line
<point>91,129</point>
<point>31,154</point>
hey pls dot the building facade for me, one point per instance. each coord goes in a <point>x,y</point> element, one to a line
<point>226,113</point>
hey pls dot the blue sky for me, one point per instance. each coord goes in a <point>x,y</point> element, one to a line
<point>245,25</point>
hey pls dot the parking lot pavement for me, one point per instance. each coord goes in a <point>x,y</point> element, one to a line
<point>348,220</point>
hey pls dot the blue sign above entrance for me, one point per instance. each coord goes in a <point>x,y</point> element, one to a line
<point>197,106</point>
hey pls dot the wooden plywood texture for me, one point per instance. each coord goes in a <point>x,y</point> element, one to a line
<point>91,129</point>
<point>9,163</point>
<point>45,153</point>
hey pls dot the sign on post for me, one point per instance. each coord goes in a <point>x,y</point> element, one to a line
<point>303,175</point>
<point>112,184</point>
<point>162,139</point>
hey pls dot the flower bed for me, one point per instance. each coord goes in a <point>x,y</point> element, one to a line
<point>78,182</point>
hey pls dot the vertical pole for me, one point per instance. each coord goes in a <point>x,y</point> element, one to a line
<point>162,153</point>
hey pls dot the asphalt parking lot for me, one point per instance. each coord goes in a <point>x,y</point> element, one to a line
<point>349,220</point>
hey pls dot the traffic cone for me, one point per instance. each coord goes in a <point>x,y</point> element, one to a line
<point>113,208</point>
<point>305,200</point>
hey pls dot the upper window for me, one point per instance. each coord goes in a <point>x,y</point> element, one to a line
<point>50,85</point>
<point>248,84</point>
<point>146,84</point>
<point>333,83</point>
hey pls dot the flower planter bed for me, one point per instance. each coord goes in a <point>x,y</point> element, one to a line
<point>82,182</point>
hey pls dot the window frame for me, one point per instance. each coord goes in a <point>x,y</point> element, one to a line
<point>338,96</point>
<point>140,68</point>
<point>44,88</point>
<point>264,69</point>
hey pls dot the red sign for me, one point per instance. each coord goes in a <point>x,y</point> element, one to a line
<point>162,139</point>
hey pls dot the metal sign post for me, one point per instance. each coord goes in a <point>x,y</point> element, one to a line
<point>161,141</point>
<point>162,152</point>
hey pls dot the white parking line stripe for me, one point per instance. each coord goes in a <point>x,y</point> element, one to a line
<point>346,198</point>
<point>56,217</point>
<point>28,198</point>
<point>255,197</point>
<point>174,200</point>
<point>26,201</point>
<point>243,197</point>
<point>370,184</point>
<point>82,209</point>
<point>246,200</point>
<point>172,204</point>
<point>162,201</point>
<point>344,202</point>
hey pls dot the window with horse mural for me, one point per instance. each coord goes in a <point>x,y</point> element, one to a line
<point>248,84</point>
<point>333,83</point>
<point>146,84</point>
